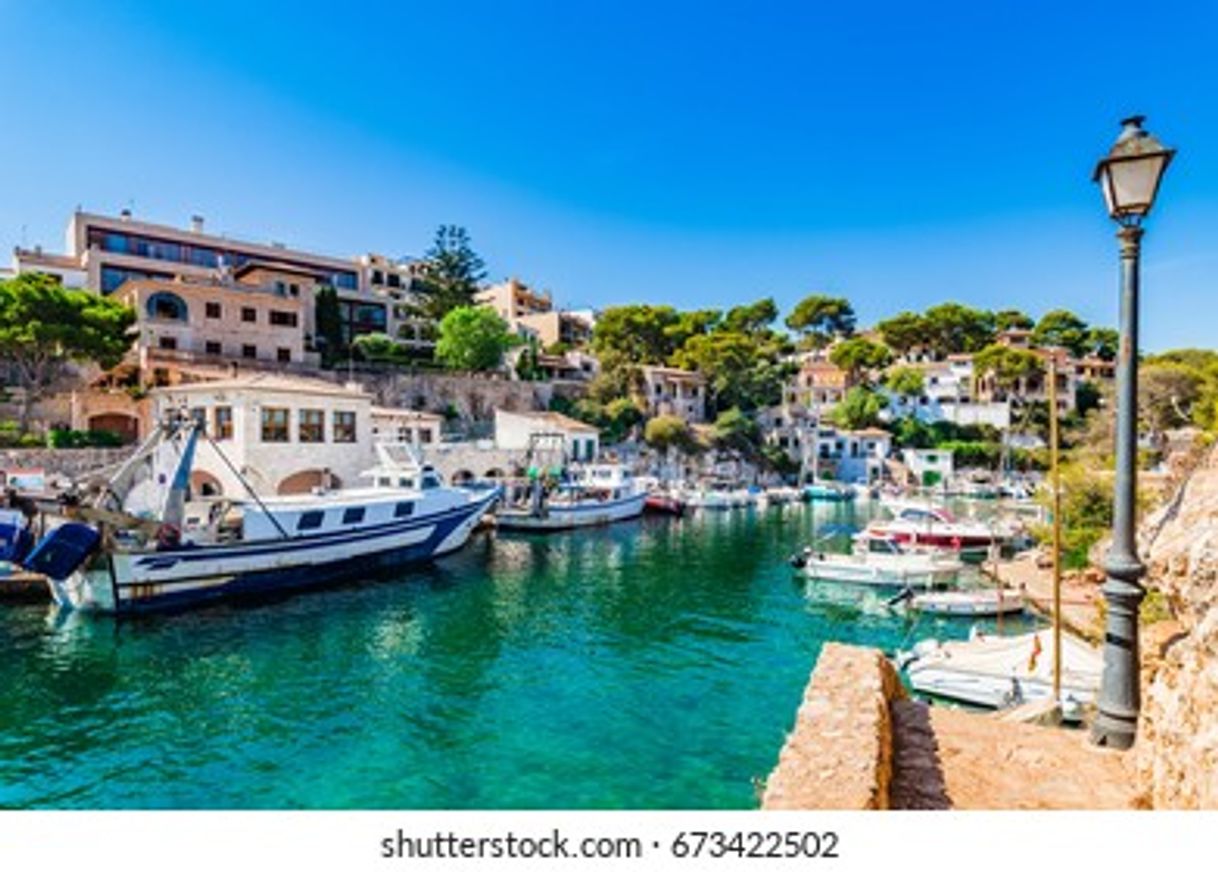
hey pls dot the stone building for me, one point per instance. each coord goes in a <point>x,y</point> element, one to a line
<point>671,391</point>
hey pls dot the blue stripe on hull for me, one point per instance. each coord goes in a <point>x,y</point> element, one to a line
<point>269,582</point>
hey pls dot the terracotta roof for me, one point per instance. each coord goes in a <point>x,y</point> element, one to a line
<point>870,431</point>
<point>674,372</point>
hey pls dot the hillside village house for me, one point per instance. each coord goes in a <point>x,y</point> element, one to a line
<point>285,435</point>
<point>818,385</point>
<point>948,395</point>
<point>548,431</point>
<point>928,467</point>
<point>419,429</point>
<point>531,314</point>
<point>671,391</point>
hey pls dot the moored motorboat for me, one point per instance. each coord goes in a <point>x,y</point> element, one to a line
<point>591,495</point>
<point>136,547</point>
<point>663,503</point>
<point>927,525</point>
<point>882,562</point>
<point>981,603</point>
<point>1004,671</point>
<point>828,492</point>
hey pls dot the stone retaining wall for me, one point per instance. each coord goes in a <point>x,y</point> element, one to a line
<point>840,754</point>
<point>70,462</point>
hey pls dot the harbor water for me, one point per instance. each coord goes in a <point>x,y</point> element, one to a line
<point>651,664</point>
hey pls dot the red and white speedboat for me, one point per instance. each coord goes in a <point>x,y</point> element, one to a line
<point>935,527</point>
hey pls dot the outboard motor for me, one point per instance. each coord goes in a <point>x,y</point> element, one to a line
<point>800,558</point>
<point>63,551</point>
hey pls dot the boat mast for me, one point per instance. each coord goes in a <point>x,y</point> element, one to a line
<point>1057,530</point>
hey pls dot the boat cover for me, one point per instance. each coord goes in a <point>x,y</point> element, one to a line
<point>62,551</point>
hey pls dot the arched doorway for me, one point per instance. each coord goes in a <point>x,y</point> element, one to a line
<point>204,484</point>
<point>127,427</point>
<point>306,480</point>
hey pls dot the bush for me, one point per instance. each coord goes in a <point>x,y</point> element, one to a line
<point>83,439</point>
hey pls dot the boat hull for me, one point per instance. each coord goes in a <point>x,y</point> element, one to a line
<point>124,582</point>
<point>560,517</point>
<point>886,578</point>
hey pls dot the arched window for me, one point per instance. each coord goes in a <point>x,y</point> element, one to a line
<point>167,306</point>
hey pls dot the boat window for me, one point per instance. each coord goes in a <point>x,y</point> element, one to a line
<point>310,521</point>
<point>430,481</point>
<point>353,515</point>
<point>403,510</point>
<point>406,483</point>
<point>383,481</point>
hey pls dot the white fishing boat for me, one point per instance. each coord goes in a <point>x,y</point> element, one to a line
<point>136,547</point>
<point>981,603</point>
<point>593,495</point>
<point>881,561</point>
<point>781,496</point>
<point>1004,671</point>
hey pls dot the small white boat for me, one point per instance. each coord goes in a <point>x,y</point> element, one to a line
<point>594,495</point>
<point>881,561</point>
<point>780,496</point>
<point>983,603</point>
<point>1004,671</point>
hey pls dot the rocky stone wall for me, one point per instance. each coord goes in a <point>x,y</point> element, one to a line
<point>1176,754</point>
<point>70,462</point>
<point>840,754</point>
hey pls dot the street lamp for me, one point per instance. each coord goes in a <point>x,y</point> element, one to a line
<point>1129,176</point>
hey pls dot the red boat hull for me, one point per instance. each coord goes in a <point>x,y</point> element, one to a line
<point>662,505</point>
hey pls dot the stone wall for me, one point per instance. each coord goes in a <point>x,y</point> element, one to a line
<point>1177,748</point>
<point>840,754</point>
<point>70,462</point>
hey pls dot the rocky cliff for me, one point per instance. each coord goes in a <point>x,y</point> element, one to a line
<point>1177,750</point>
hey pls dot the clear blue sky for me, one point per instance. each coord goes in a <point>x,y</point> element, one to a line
<point>700,154</point>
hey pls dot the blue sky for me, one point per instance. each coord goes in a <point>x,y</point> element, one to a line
<point>700,154</point>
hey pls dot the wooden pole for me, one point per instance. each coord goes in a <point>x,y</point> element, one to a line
<point>1055,471</point>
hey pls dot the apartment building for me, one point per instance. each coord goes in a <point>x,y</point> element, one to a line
<point>531,314</point>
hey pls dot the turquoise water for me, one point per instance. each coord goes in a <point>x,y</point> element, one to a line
<point>652,664</point>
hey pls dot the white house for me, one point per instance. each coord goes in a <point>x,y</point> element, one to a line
<point>547,430</point>
<point>405,425</point>
<point>854,455</point>
<point>928,467</point>
<point>284,435</point>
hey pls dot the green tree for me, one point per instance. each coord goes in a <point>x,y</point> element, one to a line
<point>1007,365</point>
<point>750,319</point>
<point>329,340</point>
<point>1103,342</point>
<point>451,272</point>
<point>905,381</point>
<point>820,319</point>
<point>634,335</point>
<point>1012,319</point>
<point>665,432</point>
<point>953,328</point>
<point>44,326</point>
<point>698,322</point>
<point>904,332</point>
<point>1063,329</point>
<point>860,408</point>
<point>859,355</point>
<point>735,431</point>
<point>378,348</point>
<point>473,338</point>
<point>741,370</point>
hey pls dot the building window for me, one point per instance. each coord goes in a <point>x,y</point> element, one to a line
<point>224,422</point>
<point>214,348</point>
<point>312,425</point>
<point>169,343</point>
<point>425,435</point>
<point>283,355</point>
<point>275,425</point>
<point>344,426</point>
<point>283,319</point>
<point>310,520</point>
<point>213,310</point>
<point>353,515</point>
<point>167,307</point>
<point>378,278</point>
<point>249,352</point>
<point>249,315</point>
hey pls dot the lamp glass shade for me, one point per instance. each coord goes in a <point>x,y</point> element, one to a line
<point>1130,184</point>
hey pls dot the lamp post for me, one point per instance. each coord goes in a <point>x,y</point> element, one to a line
<point>1129,177</point>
